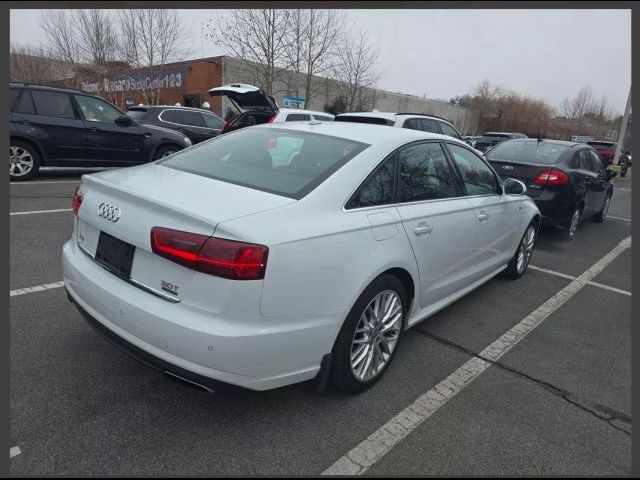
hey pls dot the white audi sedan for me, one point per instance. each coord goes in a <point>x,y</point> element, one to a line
<point>282,253</point>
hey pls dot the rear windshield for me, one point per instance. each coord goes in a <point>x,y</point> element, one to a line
<point>527,152</point>
<point>137,114</point>
<point>284,162</point>
<point>357,119</point>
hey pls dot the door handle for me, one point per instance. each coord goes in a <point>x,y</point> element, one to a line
<point>422,229</point>
<point>483,216</point>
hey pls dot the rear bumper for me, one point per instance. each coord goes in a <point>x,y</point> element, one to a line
<point>193,344</point>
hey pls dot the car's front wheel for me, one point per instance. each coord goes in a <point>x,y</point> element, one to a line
<point>24,161</point>
<point>165,151</point>
<point>369,337</point>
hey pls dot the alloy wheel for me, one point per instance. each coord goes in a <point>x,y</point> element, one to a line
<point>575,219</point>
<point>20,162</point>
<point>376,335</point>
<point>605,209</point>
<point>526,249</point>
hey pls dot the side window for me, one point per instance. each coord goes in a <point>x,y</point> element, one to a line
<point>425,173</point>
<point>413,124</point>
<point>429,125</point>
<point>24,104</point>
<point>13,95</point>
<point>377,189</point>
<point>584,161</point>
<point>168,116</point>
<point>449,130</point>
<point>323,118</point>
<point>96,110</point>
<point>478,178</point>
<point>53,104</point>
<point>211,121</point>
<point>191,118</point>
<point>596,162</point>
<point>296,117</point>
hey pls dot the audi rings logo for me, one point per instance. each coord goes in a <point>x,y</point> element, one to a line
<point>109,212</point>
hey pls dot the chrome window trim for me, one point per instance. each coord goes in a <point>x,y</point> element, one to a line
<point>182,124</point>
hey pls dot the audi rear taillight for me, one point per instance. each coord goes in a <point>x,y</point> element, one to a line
<point>273,117</point>
<point>215,256</point>
<point>76,201</point>
<point>551,177</point>
<point>228,122</point>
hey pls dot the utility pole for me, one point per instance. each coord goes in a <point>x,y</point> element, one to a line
<point>623,129</point>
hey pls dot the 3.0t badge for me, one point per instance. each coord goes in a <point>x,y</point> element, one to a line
<point>109,212</point>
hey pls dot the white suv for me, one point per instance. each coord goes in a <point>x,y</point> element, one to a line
<point>413,121</point>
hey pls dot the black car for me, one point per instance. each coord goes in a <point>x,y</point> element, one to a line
<point>59,127</point>
<point>195,123</point>
<point>491,139</point>
<point>566,180</point>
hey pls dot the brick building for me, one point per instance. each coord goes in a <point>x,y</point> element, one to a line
<point>188,82</point>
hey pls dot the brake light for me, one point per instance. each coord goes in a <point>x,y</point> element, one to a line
<point>77,200</point>
<point>273,117</point>
<point>214,256</point>
<point>551,177</point>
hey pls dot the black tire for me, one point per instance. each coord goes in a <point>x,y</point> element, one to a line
<point>568,232</point>
<point>165,151</point>
<point>512,271</point>
<point>26,152</point>
<point>602,214</point>
<point>342,374</point>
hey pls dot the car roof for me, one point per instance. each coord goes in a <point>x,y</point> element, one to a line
<point>48,87</point>
<point>300,110</point>
<point>362,132</point>
<point>393,116</point>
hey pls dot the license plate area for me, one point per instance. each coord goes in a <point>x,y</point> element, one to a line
<point>115,255</point>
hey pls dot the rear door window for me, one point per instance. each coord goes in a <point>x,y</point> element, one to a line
<point>596,162</point>
<point>211,121</point>
<point>429,125</point>
<point>302,160</point>
<point>53,104</point>
<point>323,118</point>
<point>413,124</point>
<point>425,173</point>
<point>24,104</point>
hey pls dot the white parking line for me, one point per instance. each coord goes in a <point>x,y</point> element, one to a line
<point>14,451</point>
<point>593,284</point>
<point>37,288</point>
<point>380,442</point>
<point>625,189</point>
<point>33,212</point>
<point>619,218</point>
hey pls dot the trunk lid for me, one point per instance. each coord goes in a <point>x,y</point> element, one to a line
<point>139,198</point>
<point>246,97</point>
<point>525,172</point>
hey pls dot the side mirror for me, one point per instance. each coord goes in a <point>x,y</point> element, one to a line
<point>124,121</point>
<point>610,174</point>
<point>511,186</point>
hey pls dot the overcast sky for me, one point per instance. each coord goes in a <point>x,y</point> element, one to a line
<point>443,53</point>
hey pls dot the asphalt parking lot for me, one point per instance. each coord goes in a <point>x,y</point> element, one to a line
<point>556,401</point>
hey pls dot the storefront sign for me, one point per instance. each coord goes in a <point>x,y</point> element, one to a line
<point>291,101</point>
<point>172,78</point>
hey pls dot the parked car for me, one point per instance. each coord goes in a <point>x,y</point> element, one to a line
<point>491,139</point>
<point>606,151</point>
<point>566,180</point>
<point>413,121</point>
<point>197,124</point>
<point>255,107</point>
<point>245,261</point>
<point>470,140</point>
<point>58,127</point>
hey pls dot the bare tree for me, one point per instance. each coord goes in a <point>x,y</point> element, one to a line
<point>82,38</point>
<point>149,40</point>
<point>259,37</point>
<point>356,71</point>
<point>30,64</point>
<point>315,37</point>
<point>298,31</point>
<point>578,106</point>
